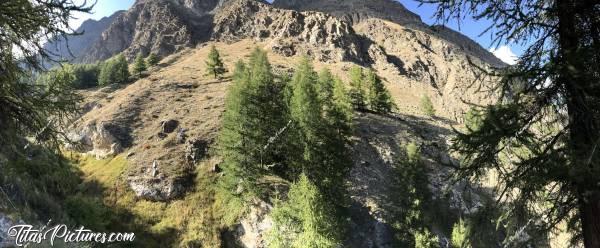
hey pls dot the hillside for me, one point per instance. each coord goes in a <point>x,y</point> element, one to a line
<point>147,150</point>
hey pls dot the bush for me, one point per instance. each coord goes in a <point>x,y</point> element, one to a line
<point>460,235</point>
<point>427,106</point>
<point>152,60</point>
<point>114,71</point>
<point>425,239</point>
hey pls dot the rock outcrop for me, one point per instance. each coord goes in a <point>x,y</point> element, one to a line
<point>358,11</point>
<point>75,46</point>
<point>161,27</point>
<point>288,32</point>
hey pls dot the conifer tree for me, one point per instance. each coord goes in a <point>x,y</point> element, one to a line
<point>305,220</point>
<point>379,97</point>
<point>152,59</point>
<point>254,112</point>
<point>114,70</point>
<point>460,234</point>
<point>139,65</point>
<point>357,90</point>
<point>214,64</point>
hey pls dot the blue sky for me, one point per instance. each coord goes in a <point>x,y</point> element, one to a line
<point>469,27</point>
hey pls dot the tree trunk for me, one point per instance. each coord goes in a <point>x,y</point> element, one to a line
<point>590,220</point>
<point>583,126</point>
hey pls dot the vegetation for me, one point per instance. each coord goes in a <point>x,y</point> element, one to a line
<point>554,84</point>
<point>427,106</point>
<point>214,63</point>
<point>379,97</point>
<point>152,59</point>
<point>114,71</point>
<point>357,89</point>
<point>139,65</point>
<point>306,219</point>
<point>460,238</point>
<point>426,239</point>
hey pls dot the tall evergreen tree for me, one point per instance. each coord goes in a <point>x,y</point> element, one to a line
<point>559,80</point>
<point>214,64</point>
<point>379,97</point>
<point>357,89</point>
<point>139,65</point>
<point>254,113</point>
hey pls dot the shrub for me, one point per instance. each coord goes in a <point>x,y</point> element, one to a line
<point>460,235</point>
<point>152,59</point>
<point>427,106</point>
<point>425,239</point>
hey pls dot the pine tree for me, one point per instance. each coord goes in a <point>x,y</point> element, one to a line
<point>254,112</point>
<point>305,220</point>
<point>357,91</point>
<point>214,64</point>
<point>427,106</point>
<point>152,59</point>
<point>139,65</point>
<point>379,97</point>
<point>557,77</point>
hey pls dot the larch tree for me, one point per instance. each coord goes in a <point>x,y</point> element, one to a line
<point>214,63</point>
<point>379,97</point>
<point>357,89</point>
<point>550,125</point>
<point>28,109</point>
<point>152,59</point>
<point>139,65</point>
<point>254,113</point>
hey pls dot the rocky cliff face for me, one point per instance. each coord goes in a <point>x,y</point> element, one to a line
<point>289,32</point>
<point>158,26</point>
<point>76,46</point>
<point>359,11</point>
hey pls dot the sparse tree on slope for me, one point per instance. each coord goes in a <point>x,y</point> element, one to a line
<point>306,219</point>
<point>427,106</point>
<point>139,65</point>
<point>357,89</point>
<point>152,59</point>
<point>559,78</point>
<point>254,112</point>
<point>379,97</point>
<point>214,64</point>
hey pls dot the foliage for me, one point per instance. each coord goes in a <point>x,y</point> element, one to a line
<point>214,63</point>
<point>305,219</point>
<point>425,239</point>
<point>357,89</point>
<point>152,59</point>
<point>379,97</point>
<point>411,194</point>
<point>114,71</point>
<point>25,106</point>
<point>460,235</point>
<point>554,84</point>
<point>139,65</point>
<point>427,106</point>
<point>474,119</point>
<point>255,111</point>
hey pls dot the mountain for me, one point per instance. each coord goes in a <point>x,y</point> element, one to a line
<point>357,11</point>
<point>77,46</point>
<point>146,148</point>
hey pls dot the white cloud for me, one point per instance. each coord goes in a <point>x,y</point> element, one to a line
<point>505,54</point>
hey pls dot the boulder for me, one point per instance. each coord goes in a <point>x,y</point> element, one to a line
<point>168,126</point>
